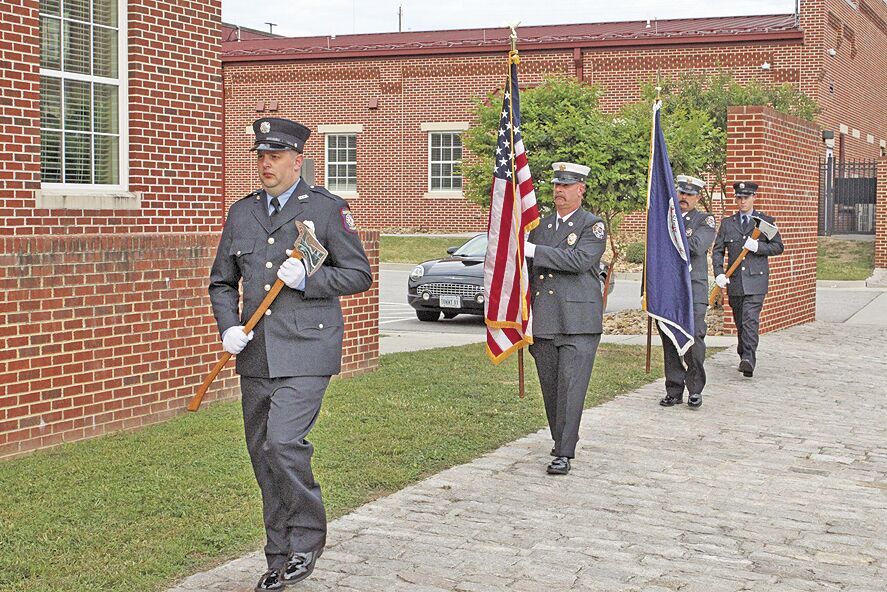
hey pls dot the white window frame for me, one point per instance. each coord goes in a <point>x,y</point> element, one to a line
<point>340,130</point>
<point>432,128</point>
<point>91,195</point>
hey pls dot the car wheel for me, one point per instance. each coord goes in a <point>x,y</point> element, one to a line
<point>450,315</point>
<point>428,316</point>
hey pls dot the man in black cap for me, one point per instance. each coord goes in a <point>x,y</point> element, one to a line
<point>700,229</point>
<point>565,255</point>
<point>285,364</point>
<point>748,286</point>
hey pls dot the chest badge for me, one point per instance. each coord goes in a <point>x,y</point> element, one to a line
<point>689,232</point>
<point>571,239</point>
<point>710,220</point>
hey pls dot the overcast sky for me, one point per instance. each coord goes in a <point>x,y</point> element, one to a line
<point>342,17</point>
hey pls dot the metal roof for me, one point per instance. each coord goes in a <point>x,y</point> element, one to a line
<point>779,27</point>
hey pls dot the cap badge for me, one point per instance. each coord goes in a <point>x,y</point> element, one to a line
<point>571,239</point>
<point>742,185</point>
<point>265,127</point>
<point>563,167</point>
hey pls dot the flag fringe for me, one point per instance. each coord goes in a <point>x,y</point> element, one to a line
<point>496,360</point>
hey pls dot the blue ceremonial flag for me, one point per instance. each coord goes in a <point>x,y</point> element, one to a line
<point>668,296</point>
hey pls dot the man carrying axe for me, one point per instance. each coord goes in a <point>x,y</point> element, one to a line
<point>286,362</point>
<point>748,238</point>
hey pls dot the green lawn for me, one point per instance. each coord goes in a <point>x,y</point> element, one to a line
<point>416,249</point>
<point>844,259</point>
<point>136,511</point>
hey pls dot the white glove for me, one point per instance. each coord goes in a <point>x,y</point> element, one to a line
<point>234,339</point>
<point>292,272</point>
<point>751,244</point>
<point>529,249</point>
<point>721,280</point>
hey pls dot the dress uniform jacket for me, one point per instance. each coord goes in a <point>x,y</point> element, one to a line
<point>700,229</point>
<point>753,274</point>
<point>565,281</point>
<point>301,334</point>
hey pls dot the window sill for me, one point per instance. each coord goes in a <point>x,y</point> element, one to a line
<point>87,199</point>
<point>444,195</point>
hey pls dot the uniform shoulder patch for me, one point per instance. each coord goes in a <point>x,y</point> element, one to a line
<point>710,220</point>
<point>598,229</point>
<point>348,220</point>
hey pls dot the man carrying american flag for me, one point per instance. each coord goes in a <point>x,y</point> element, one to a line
<point>568,308</point>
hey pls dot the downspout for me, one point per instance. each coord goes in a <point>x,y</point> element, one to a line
<point>577,63</point>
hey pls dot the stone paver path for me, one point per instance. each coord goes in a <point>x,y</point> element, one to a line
<point>778,483</point>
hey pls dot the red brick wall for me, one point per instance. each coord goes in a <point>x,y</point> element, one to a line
<point>881,217</point>
<point>781,154</point>
<point>175,123</point>
<point>19,106</point>
<point>392,150</point>
<point>105,333</point>
<point>105,314</point>
<point>851,84</point>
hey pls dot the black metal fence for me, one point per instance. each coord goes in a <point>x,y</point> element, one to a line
<point>847,197</point>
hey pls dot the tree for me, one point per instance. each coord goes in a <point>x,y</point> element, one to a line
<point>562,121</point>
<point>713,94</point>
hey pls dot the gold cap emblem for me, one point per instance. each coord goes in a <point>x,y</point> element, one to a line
<point>563,167</point>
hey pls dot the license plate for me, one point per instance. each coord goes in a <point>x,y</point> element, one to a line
<point>450,301</point>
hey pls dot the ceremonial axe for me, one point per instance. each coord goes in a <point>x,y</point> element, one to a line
<point>312,254</point>
<point>761,227</point>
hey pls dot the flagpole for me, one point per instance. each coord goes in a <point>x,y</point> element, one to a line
<point>646,229</point>
<point>514,59</point>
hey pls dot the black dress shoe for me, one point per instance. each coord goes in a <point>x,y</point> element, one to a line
<point>270,580</point>
<point>694,401</point>
<point>300,566</point>
<point>670,401</point>
<point>746,368</point>
<point>559,466</point>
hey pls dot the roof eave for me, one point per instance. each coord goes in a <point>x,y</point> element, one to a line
<point>782,37</point>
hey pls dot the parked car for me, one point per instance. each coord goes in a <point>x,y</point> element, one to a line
<point>455,284</point>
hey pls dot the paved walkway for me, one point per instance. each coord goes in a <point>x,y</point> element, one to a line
<point>778,483</point>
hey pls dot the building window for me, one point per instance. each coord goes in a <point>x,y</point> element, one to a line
<point>444,161</point>
<point>82,92</point>
<point>341,162</point>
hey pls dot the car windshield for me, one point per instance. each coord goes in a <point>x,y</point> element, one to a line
<point>476,247</point>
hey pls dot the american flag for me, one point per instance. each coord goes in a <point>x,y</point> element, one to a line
<point>513,213</point>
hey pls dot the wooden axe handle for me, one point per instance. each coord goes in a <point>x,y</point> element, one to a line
<point>716,292</point>
<point>194,405</point>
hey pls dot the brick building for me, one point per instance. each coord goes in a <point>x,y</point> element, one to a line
<point>391,107</point>
<point>111,190</point>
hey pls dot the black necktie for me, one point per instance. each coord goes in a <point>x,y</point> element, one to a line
<point>744,222</point>
<point>275,203</point>
<point>558,223</point>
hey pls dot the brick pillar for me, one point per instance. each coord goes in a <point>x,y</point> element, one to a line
<point>781,154</point>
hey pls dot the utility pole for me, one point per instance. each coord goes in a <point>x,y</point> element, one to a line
<point>271,27</point>
<point>400,18</point>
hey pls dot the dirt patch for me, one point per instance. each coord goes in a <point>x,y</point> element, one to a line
<point>633,321</point>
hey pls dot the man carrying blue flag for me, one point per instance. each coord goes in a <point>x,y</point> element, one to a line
<point>688,371</point>
<point>667,294</point>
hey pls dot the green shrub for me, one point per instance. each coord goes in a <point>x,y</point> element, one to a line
<point>634,253</point>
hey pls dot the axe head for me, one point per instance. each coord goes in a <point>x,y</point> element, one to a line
<point>313,253</point>
<point>767,229</point>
